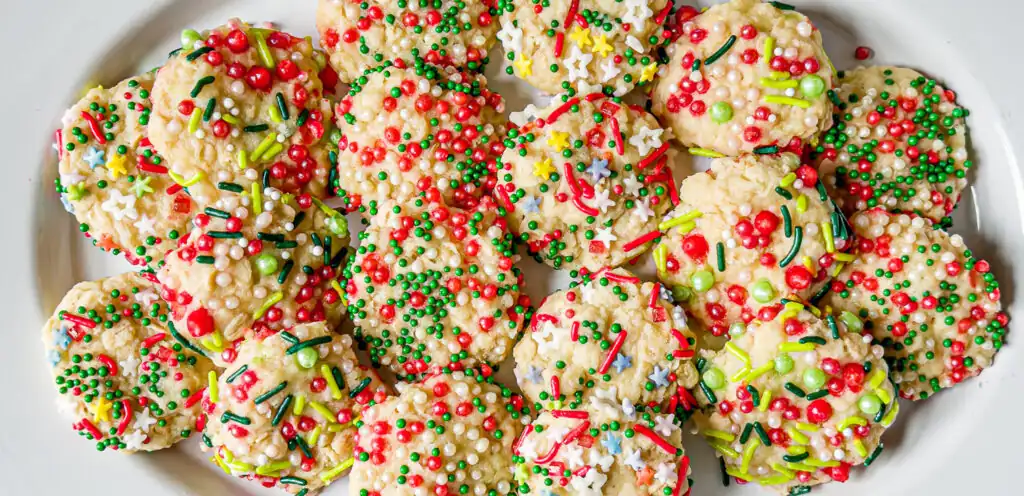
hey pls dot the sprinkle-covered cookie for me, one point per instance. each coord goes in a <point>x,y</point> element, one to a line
<point>899,142</point>
<point>748,233</point>
<point>422,132</point>
<point>358,36</point>
<point>745,76</point>
<point>113,180</point>
<point>430,286</point>
<point>127,380</point>
<point>925,297</point>
<point>585,183</point>
<point>794,402</point>
<point>261,260</point>
<point>610,331</point>
<point>238,98</point>
<point>285,412</point>
<point>559,44</point>
<point>450,434</point>
<point>606,449</point>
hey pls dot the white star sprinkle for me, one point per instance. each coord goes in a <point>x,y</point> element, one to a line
<point>146,298</point>
<point>637,13</point>
<point>601,200</point>
<point>120,206</point>
<point>597,459</point>
<point>642,209</point>
<point>604,235</point>
<point>145,225</point>
<point>511,37</point>
<point>133,440</point>
<point>635,461</point>
<point>577,63</point>
<point>528,448</point>
<point>646,139</point>
<point>143,421</point>
<point>609,70</point>
<point>573,456</point>
<point>665,474</point>
<point>663,425</point>
<point>631,185</point>
<point>129,366</point>
<point>549,337</point>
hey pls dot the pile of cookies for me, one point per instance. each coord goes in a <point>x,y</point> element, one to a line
<point>805,282</point>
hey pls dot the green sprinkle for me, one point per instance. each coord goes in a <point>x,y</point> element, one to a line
<point>798,238</point>
<point>196,54</point>
<point>295,348</point>
<point>722,50</point>
<point>270,394</point>
<point>200,84</point>
<point>236,374</point>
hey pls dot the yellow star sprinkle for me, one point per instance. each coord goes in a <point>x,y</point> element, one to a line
<point>116,166</point>
<point>524,65</point>
<point>601,46</point>
<point>559,140</point>
<point>101,411</point>
<point>580,36</point>
<point>543,169</point>
<point>649,72</point>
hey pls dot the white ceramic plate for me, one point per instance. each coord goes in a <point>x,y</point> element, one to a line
<point>964,441</point>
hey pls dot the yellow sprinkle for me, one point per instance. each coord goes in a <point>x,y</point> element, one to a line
<point>300,404</point>
<point>274,298</point>
<point>779,85</point>
<point>801,204</point>
<point>523,65</point>
<point>796,450</point>
<point>211,379</point>
<point>335,428</point>
<point>748,454</point>
<point>704,152</point>
<point>725,450</point>
<point>230,119</point>
<point>787,180</point>
<point>273,467</point>
<point>648,72</point>
<point>725,436</point>
<point>794,305</point>
<point>861,449</point>
<point>807,427</point>
<point>220,463</point>
<point>787,100</point>
<point>785,314</point>
<point>769,49</point>
<point>689,226</point>
<point>328,211</point>
<point>660,255</point>
<point>334,472</point>
<point>758,372</point>
<point>779,75</point>
<point>738,376</point>
<point>783,470</point>
<point>257,197</point>
<point>101,411</point>
<point>262,147</point>
<point>266,56</point>
<point>272,152</point>
<point>851,420</point>
<point>275,114</point>
<point>193,120</point>
<point>814,462</point>
<point>883,395</point>
<point>314,436</point>
<point>766,398</point>
<point>325,371</point>
<point>844,257</point>
<point>214,342</point>
<point>798,437</point>
<point>733,471</point>
<point>735,350</point>
<point>796,347</point>
<point>243,160</point>
<point>682,219</point>
<point>322,410</point>
<point>891,416</point>
<point>774,481</point>
<point>830,242</point>
<point>242,467</point>
<point>876,379</point>
<point>801,467</point>
<point>228,455</point>
<point>180,180</point>
<point>838,269</point>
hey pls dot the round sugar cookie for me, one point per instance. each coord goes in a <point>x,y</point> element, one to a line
<point>925,297</point>
<point>586,183</point>
<point>899,142</point>
<point>748,233</point>
<point>238,101</point>
<point>127,380</point>
<point>409,133</point>
<point>562,44</point>
<point>432,287</point>
<point>261,261</point>
<point>794,402</point>
<point>451,433</point>
<point>284,413</point>
<point>745,76</point>
<point>611,331</point>
<point>111,178</point>
<point>359,36</point>
<point>605,449</point>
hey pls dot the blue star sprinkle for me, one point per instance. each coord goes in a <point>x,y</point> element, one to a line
<point>531,204</point>
<point>622,362</point>
<point>598,169</point>
<point>659,377</point>
<point>94,157</point>
<point>611,443</point>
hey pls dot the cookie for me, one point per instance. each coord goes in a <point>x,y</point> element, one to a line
<point>238,98</point>
<point>432,287</point>
<point>111,178</point>
<point>899,142</point>
<point>449,434</point>
<point>745,77</point>
<point>925,296</point>
<point>794,402</point>
<point>127,379</point>
<point>748,233</point>
<point>409,133</point>
<point>587,181</point>
<point>259,260</point>
<point>284,413</point>
<point>557,45</point>
<point>360,36</point>
<point>602,450</point>
<point>611,331</point>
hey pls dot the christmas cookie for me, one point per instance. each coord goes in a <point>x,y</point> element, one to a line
<point>793,402</point>
<point>557,45</point>
<point>610,331</point>
<point>237,99</point>
<point>430,286</point>
<point>359,36</point>
<point>256,259</point>
<point>449,434</point>
<point>749,232</point>
<point>899,142</point>
<point>409,133</point>
<point>284,413</point>
<point>129,382</point>
<point>112,179</point>
<point>607,449</point>
<point>745,76</point>
<point>925,297</point>
<point>587,181</point>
